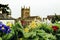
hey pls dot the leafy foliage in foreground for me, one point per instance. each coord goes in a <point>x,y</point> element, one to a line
<point>37,31</point>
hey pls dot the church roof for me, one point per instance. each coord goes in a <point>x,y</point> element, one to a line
<point>3,18</point>
<point>30,18</point>
<point>7,19</point>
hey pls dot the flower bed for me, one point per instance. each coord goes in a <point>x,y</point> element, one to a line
<point>34,31</point>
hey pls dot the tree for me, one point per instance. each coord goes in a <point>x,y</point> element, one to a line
<point>5,9</point>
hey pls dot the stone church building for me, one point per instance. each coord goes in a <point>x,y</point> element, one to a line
<point>25,16</point>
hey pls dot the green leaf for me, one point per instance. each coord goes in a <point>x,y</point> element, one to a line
<point>33,34</point>
<point>27,35</point>
<point>0,38</point>
<point>40,31</point>
<point>36,38</point>
<point>19,25</point>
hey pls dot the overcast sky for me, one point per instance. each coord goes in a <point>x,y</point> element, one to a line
<point>40,8</point>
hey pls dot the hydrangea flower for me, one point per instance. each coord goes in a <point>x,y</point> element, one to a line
<point>4,28</point>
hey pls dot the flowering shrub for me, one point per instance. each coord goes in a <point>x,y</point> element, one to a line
<point>33,32</point>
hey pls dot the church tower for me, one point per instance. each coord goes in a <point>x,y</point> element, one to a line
<point>25,12</point>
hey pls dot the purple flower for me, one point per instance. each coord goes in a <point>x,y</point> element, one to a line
<point>4,28</point>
